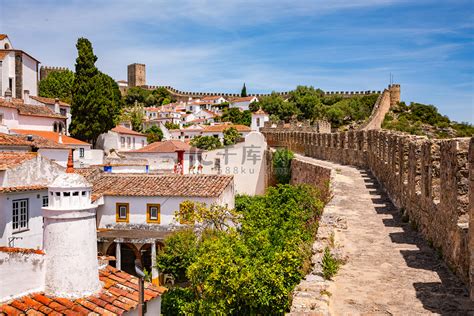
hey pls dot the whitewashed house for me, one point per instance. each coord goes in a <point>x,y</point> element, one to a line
<point>18,70</point>
<point>16,114</point>
<point>243,103</point>
<point>55,105</point>
<point>121,138</point>
<point>164,157</point>
<point>244,160</point>
<point>24,177</point>
<point>58,147</point>
<point>67,275</point>
<point>153,200</point>
<point>258,120</point>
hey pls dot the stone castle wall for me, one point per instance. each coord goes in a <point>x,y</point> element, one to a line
<point>46,70</point>
<point>184,95</point>
<point>431,181</point>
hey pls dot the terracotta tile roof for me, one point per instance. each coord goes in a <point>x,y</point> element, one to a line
<point>123,130</point>
<point>21,250</point>
<point>260,111</point>
<point>29,109</point>
<point>12,159</point>
<point>243,99</point>
<point>49,101</point>
<point>118,296</point>
<point>90,173</point>
<point>160,185</point>
<point>23,188</point>
<point>13,140</point>
<point>3,36</point>
<point>212,97</point>
<point>35,142</point>
<point>53,136</point>
<point>168,146</point>
<point>222,127</point>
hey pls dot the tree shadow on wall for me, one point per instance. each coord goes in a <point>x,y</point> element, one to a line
<point>447,297</point>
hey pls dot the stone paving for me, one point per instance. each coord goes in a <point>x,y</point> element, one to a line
<point>389,269</point>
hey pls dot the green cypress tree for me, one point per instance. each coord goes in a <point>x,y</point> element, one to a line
<point>96,99</point>
<point>243,93</point>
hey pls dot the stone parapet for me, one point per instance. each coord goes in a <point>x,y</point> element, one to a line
<point>430,181</point>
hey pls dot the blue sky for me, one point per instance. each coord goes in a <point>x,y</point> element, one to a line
<point>270,45</point>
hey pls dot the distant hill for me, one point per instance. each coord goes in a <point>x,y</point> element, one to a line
<point>422,119</point>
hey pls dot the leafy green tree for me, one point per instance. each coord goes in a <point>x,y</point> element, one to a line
<point>58,84</point>
<point>243,93</point>
<point>282,165</point>
<point>154,134</point>
<point>136,95</point>
<point>251,270</point>
<point>166,101</point>
<point>206,142</point>
<point>254,106</point>
<point>161,94</point>
<point>215,216</point>
<point>236,116</point>
<point>135,114</point>
<point>275,105</point>
<point>308,102</point>
<point>96,99</point>
<point>178,254</point>
<point>230,136</point>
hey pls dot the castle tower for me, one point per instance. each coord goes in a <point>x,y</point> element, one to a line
<point>70,239</point>
<point>394,94</point>
<point>136,75</point>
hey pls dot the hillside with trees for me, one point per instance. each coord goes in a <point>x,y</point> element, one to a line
<point>308,103</point>
<point>422,119</point>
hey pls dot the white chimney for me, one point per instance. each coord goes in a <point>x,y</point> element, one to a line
<point>8,95</point>
<point>26,96</point>
<point>70,240</point>
<point>56,106</point>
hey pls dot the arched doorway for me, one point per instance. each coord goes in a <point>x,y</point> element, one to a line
<point>128,254</point>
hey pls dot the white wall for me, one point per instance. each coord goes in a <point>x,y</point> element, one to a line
<point>111,140</point>
<point>21,274</point>
<point>91,157</point>
<point>153,307</point>
<point>129,169</point>
<point>249,178</point>
<point>59,156</point>
<point>30,75</point>
<point>37,122</point>
<point>106,213</point>
<point>33,236</point>
<point>156,161</point>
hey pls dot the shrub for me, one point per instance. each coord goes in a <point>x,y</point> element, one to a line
<point>230,136</point>
<point>330,264</point>
<point>282,165</point>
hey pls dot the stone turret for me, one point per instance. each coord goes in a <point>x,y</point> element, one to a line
<point>394,94</point>
<point>70,239</point>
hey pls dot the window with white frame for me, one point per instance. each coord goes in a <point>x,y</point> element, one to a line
<point>45,201</point>
<point>81,152</point>
<point>129,142</point>
<point>20,214</point>
<point>122,141</point>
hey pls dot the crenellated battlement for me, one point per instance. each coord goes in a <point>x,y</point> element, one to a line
<point>46,70</point>
<point>191,94</point>
<point>431,181</point>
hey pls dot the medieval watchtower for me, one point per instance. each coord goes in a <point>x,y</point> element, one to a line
<point>136,75</point>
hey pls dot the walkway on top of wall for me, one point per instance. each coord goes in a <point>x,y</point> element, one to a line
<point>390,269</point>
